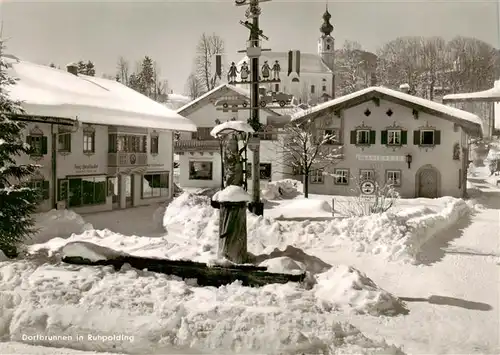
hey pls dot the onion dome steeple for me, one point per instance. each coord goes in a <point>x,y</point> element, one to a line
<point>326,28</point>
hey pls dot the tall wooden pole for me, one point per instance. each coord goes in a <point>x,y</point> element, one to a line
<point>255,112</point>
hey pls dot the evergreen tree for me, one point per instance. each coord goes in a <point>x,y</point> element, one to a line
<point>17,201</point>
<point>90,69</point>
<point>52,65</point>
<point>147,77</point>
<point>82,67</point>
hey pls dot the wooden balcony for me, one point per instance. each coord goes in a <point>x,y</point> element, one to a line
<point>194,145</point>
<point>127,159</point>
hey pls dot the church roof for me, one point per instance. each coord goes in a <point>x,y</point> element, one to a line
<point>309,62</point>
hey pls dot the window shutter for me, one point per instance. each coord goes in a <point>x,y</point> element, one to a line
<point>46,190</point>
<point>437,137</point>
<point>28,140</point>
<point>416,137</point>
<point>44,145</point>
<point>373,135</point>
<point>383,137</point>
<point>353,137</point>
<point>404,137</point>
<point>69,142</point>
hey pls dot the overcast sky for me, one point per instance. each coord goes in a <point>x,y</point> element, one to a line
<point>101,31</point>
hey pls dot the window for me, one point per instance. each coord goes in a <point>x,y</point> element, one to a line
<point>154,144</point>
<point>267,135</point>
<point>42,187</point>
<point>86,191</point>
<point>88,141</point>
<point>366,174</point>
<point>200,170</point>
<point>155,185</point>
<point>38,144</point>
<point>127,143</point>
<point>427,137</point>
<point>323,88</point>
<point>64,139</point>
<point>394,137</point>
<point>316,176</point>
<point>112,143</point>
<point>203,134</point>
<point>265,171</point>
<point>341,176</point>
<point>363,137</point>
<point>276,87</point>
<point>312,89</point>
<point>393,177</point>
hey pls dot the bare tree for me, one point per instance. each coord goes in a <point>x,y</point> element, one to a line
<point>123,71</point>
<point>208,46</point>
<point>400,62</point>
<point>194,88</point>
<point>354,67</point>
<point>433,65</point>
<point>303,148</point>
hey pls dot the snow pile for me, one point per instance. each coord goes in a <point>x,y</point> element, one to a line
<point>287,188</point>
<point>303,208</point>
<point>231,127</point>
<point>423,228</point>
<point>191,215</point>
<point>90,251</point>
<point>344,287</point>
<point>283,265</point>
<point>57,224</point>
<point>232,193</point>
<point>134,311</point>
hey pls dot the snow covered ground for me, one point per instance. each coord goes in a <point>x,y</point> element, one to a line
<point>373,282</point>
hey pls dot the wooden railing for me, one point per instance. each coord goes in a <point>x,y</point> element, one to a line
<point>193,145</point>
<point>127,159</point>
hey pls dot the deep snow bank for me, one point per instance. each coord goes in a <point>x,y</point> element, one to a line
<point>155,314</point>
<point>57,224</point>
<point>286,188</point>
<point>395,235</point>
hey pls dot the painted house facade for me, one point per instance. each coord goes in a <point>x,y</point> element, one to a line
<point>100,144</point>
<point>418,146</point>
<point>199,153</point>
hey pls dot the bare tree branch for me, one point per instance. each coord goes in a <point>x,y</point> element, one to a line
<point>208,46</point>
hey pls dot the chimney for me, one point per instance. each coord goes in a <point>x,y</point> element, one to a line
<point>404,88</point>
<point>72,68</point>
<point>373,79</point>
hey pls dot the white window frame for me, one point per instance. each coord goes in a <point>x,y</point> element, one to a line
<point>344,175</point>
<point>391,176</point>
<point>359,134</point>
<point>88,141</point>
<point>370,174</point>
<point>422,131</point>
<point>316,176</point>
<point>397,136</point>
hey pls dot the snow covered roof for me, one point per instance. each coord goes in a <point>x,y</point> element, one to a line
<point>219,91</point>
<point>46,91</point>
<point>469,121</point>
<point>309,62</point>
<point>490,95</point>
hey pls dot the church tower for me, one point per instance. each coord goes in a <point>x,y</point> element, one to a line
<point>326,43</point>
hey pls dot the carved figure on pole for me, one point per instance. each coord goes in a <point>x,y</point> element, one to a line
<point>266,69</point>
<point>244,71</point>
<point>276,70</point>
<point>232,73</point>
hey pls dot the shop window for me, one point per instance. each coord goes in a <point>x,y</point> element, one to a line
<point>83,191</point>
<point>200,170</point>
<point>155,185</point>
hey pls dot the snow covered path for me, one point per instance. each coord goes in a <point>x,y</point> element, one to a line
<point>453,295</point>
